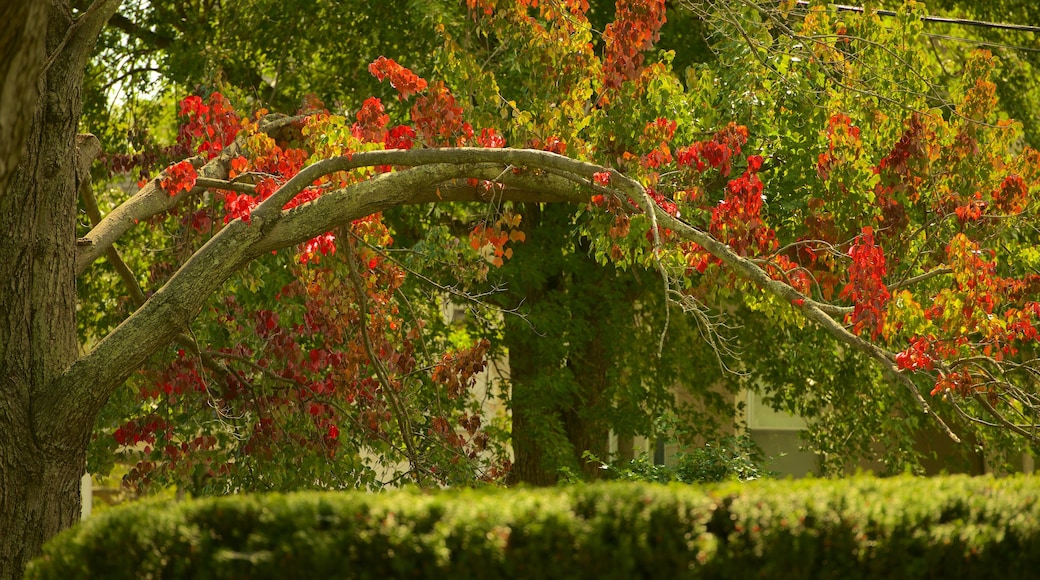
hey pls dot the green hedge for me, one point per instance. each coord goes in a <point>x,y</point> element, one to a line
<point>952,527</point>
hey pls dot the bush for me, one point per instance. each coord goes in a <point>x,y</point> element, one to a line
<point>731,458</point>
<point>952,527</point>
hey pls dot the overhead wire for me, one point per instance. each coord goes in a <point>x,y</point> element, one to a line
<point>978,42</point>
<point>804,4</point>
<point>929,18</point>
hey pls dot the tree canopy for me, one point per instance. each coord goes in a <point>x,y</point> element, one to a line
<point>834,182</point>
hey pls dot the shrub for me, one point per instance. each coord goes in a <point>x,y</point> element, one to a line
<point>731,458</point>
<point>951,527</point>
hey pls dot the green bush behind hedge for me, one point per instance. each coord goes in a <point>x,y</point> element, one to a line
<point>949,527</point>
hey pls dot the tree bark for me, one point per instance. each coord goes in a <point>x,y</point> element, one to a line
<point>534,421</point>
<point>541,419</point>
<point>530,411</point>
<point>583,418</point>
<point>39,496</point>
<point>21,60</point>
<point>42,467</point>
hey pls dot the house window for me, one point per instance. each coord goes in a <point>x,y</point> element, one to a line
<point>778,434</point>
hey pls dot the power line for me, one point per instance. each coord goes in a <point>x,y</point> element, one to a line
<point>941,19</point>
<point>978,42</point>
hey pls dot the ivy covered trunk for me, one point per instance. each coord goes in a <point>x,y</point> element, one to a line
<point>558,409</point>
<point>531,427</point>
<point>585,419</point>
<point>41,460</point>
<point>556,414</point>
<point>558,361</point>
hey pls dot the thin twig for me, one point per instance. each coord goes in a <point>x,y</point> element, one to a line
<point>400,413</point>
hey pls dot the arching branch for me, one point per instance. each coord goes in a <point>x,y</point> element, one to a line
<point>432,177</point>
<point>152,200</point>
<point>87,383</point>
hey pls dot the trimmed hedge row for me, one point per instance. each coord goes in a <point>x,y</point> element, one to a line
<point>951,527</point>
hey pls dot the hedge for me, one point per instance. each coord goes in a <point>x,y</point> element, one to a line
<point>948,527</point>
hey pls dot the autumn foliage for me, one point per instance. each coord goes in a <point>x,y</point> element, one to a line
<point>900,246</point>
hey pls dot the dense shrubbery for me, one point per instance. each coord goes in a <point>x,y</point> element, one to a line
<point>731,458</point>
<point>952,527</point>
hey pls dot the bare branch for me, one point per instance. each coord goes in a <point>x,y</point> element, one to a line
<point>211,183</point>
<point>149,201</point>
<point>921,278</point>
<point>981,400</point>
<point>87,149</point>
<point>810,308</point>
<point>400,412</point>
<point>937,19</point>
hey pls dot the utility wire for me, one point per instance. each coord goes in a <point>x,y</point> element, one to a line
<point>942,19</point>
<point>978,42</point>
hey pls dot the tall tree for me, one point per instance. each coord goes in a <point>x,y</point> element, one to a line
<point>41,456</point>
<point>905,231</point>
<point>513,54</point>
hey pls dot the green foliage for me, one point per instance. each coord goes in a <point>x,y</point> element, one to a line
<point>953,527</point>
<point>584,349</point>
<point>845,399</point>
<point>1019,86</point>
<point>799,71</point>
<point>731,458</point>
<point>587,318</point>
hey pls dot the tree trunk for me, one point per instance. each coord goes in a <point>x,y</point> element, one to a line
<point>537,432</point>
<point>550,431</point>
<point>39,497</point>
<point>530,409</point>
<point>584,417</point>
<point>42,467</point>
<point>558,375</point>
<point>21,59</point>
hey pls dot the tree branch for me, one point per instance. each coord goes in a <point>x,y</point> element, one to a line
<point>149,201</point>
<point>152,200</point>
<point>79,41</point>
<point>86,193</point>
<point>139,32</point>
<point>400,412</point>
<point>921,278</point>
<point>550,177</point>
<point>89,381</point>
<point>809,308</point>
